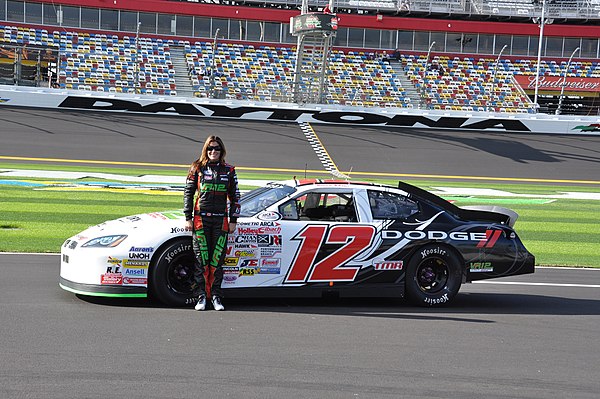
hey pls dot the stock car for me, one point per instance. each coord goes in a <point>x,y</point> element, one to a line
<point>307,238</point>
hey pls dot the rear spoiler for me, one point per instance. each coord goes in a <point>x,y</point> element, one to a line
<point>474,213</point>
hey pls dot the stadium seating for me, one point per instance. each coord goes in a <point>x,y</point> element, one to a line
<point>266,74</point>
<point>467,84</point>
<point>107,63</point>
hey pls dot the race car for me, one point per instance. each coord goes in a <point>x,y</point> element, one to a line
<point>307,238</point>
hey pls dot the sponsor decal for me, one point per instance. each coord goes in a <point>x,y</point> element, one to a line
<point>138,255</point>
<point>259,230</point>
<point>135,271</point>
<point>213,187</point>
<point>269,270</point>
<point>291,115</point>
<point>435,251</point>
<point>4,100</point>
<point>438,235</point>
<point>135,281</point>
<point>245,253</point>
<point>173,214</point>
<point>388,265</point>
<point>270,262</point>
<point>570,83</point>
<point>435,301</point>
<point>267,239</point>
<point>269,251</point>
<point>111,279</point>
<point>175,230</point>
<point>169,257</point>
<point>249,263</point>
<point>157,215</point>
<point>245,246</point>
<point>231,261</point>
<point>116,265</point>
<point>229,278</point>
<point>135,262</point>
<point>269,215</point>
<point>247,271</point>
<point>245,239</point>
<point>594,127</point>
<point>141,249</point>
<point>480,267</point>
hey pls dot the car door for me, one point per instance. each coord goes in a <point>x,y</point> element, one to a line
<point>323,233</point>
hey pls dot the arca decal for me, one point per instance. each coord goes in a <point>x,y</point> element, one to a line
<point>292,115</point>
<point>305,268</point>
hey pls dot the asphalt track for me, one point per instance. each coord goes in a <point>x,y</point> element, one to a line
<point>496,341</point>
<point>170,140</point>
<point>536,338</point>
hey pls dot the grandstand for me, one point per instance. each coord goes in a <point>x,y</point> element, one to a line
<point>380,58</point>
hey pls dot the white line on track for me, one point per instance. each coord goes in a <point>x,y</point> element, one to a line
<point>539,284</point>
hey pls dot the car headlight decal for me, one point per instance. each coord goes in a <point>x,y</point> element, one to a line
<point>105,241</point>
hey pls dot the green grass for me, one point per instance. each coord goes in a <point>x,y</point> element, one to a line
<point>40,220</point>
<point>562,232</point>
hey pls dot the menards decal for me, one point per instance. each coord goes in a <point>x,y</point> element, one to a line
<point>291,115</point>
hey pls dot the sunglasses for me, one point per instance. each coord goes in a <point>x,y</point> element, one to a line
<point>209,148</point>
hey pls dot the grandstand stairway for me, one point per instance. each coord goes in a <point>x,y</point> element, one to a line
<point>410,89</point>
<point>182,79</point>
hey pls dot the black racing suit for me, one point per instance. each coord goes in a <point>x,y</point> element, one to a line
<point>214,184</point>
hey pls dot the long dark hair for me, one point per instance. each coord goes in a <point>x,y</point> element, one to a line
<point>203,160</point>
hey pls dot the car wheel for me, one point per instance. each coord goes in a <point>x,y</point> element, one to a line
<point>433,276</point>
<point>172,274</point>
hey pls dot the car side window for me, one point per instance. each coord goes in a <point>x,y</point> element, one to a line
<point>386,205</point>
<point>332,207</point>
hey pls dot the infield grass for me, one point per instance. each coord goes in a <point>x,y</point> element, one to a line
<point>562,232</point>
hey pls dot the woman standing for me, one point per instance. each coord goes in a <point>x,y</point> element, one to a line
<point>210,219</point>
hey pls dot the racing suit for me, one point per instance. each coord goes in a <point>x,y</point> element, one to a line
<point>214,184</point>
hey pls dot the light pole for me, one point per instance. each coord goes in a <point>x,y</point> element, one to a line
<point>564,83</point>
<point>136,76</point>
<point>428,53</point>
<point>212,66</point>
<point>495,73</point>
<point>542,22</point>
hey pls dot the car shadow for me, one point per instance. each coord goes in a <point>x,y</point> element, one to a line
<point>464,304</point>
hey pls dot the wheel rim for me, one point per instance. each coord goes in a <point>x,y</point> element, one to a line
<point>432,275</point>
<point>180,274</point>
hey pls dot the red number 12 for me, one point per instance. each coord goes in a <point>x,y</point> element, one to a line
<point>304,268</point>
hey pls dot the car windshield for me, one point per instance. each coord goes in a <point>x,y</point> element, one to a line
<point>261,198</point>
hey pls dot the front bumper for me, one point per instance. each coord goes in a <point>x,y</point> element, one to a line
<point>103,290</point>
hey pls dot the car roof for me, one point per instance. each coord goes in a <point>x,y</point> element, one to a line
<point>305,182</point>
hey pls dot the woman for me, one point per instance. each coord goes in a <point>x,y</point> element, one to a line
<point>209,218</point>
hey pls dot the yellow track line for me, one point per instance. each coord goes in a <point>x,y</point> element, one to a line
<point>300,171</point>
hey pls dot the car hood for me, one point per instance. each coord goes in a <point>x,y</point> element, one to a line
<point>167,222</point>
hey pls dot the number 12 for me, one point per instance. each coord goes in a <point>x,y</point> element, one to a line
<point>304,268</point>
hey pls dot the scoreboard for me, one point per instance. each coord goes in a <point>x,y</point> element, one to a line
<point>313,22</point>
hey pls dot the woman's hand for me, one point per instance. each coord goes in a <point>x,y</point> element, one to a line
<point>232,227</point>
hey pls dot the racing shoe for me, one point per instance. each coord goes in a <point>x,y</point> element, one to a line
<point>216,301</point>
<point>201,305</point>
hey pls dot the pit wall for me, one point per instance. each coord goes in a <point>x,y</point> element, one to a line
<point>36,97</point>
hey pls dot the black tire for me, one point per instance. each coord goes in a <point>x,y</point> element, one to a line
<point>433,276</point>
<point>171,279</point>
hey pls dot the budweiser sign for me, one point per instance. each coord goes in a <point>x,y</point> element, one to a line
<point>555,83</point>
